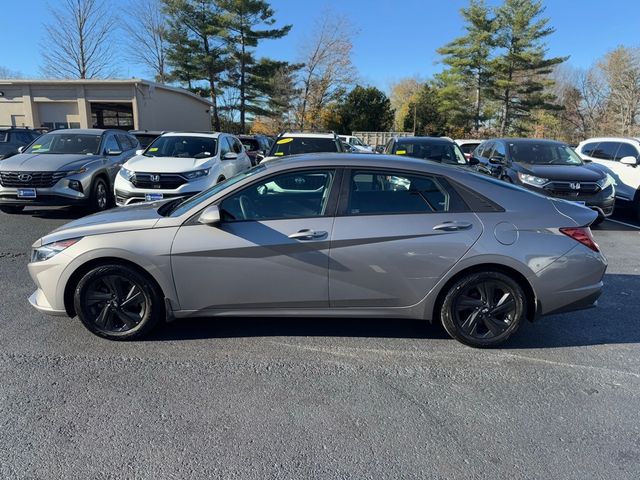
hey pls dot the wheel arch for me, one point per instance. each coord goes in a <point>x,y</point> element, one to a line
<point>82,269</point>
<point>532,300</point>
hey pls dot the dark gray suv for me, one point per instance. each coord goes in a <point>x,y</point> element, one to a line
<point>66,167</point>
<point>12,138</point>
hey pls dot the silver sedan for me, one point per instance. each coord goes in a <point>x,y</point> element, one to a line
<point>328,235</point>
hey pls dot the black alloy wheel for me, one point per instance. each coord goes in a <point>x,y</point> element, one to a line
<point>483,309</point>
<point>117,302</point>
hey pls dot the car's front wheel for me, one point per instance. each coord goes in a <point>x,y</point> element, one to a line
<point>100,198</point>
<point>117,302</point>
<point>483,309</point>
<point>11,208</point>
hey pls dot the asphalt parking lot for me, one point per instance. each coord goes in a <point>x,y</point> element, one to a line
<point>257,399</point>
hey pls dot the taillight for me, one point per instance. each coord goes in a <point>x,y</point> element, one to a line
<point>582,235</point>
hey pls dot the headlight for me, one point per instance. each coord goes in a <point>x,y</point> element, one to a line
<point>606,182</point>
<point>532,179</point>
<point>45,252</point>
<point>127,174</point>
<point>196,174</point>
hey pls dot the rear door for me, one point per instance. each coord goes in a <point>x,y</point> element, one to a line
<point>396,235</point>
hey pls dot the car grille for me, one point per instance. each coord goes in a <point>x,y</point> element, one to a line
<point>164,181</point>
<point>30,179</point>
<point>568,189</point>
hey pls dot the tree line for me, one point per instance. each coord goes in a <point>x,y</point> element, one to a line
<point>497,79</point>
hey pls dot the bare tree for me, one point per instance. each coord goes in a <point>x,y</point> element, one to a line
<point>78,40</point>
<point>621,68</point>
<point>147,29</point>
<point>8,73</point>
<point>328,68</point>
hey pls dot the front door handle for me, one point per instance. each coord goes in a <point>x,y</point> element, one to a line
<point>453,226</point>
<point>307,234</point>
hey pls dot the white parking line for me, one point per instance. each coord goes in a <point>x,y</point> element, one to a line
<point>623,223</point>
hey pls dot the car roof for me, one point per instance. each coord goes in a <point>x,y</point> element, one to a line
<point>307,135</point>
<point>462,141</point>
<point>611,139</point>
<point>86,131</point>
<point>424,140</point>
<point>193,134</point>
<point>526,140</point>
<point>147,132</point>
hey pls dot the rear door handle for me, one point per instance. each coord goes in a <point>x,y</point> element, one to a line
<point>307,234</point>
<point>453,226</point>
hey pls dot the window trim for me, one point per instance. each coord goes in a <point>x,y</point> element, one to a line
<point>345,192</point>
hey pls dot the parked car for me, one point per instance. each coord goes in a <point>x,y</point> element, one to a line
<point>356,144</point>
<point>468,146</point>
<point>550,168</point>
<point>328,236</point>
<point>145,137</point>
<point>294,143</point>
<point>436,149</point>
<point>12,138</point>
<point>619,157</point>
<point>256,146</point>
<point>65,167</point>
<point>179,164</point>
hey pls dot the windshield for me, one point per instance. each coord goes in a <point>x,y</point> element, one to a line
<point>468,147</point>
<point>71,143</point>
<point>543,154</point>
<point>189,203</point>
<point>295,145</point>
<point>182,147</point>
<point>437,151</point>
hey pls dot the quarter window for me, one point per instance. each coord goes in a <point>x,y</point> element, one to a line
<point>290,195</point>
<point>380,193</point>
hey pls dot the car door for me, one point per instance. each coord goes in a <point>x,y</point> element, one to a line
<point>113,155</point>
<point>271,249</point>
<point>627,176</point>
<point>228,167</point>
<point>395,236</point>
<point>484,151</point>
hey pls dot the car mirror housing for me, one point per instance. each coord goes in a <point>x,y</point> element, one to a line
<point>473,161</point>
<point>496,161</point>
<point>633,161</point>
<point>20,149</point>
<point>230,156</point>
<point>139,152</point>
<point>210,216</point>
<point>113,153</point>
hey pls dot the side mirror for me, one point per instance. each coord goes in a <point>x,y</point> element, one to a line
<point>20,149</point>
<point>210,216</point>
<point>473,161</point>
<point>496,161</point>
<point>631,161</point>
<point>139,152</point>
<point>113,153</point>
<point>230,156</point>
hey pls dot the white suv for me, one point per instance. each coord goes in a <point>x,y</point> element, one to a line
<point>356,143</point>
<point>179,164</point>
<point>620,158</point>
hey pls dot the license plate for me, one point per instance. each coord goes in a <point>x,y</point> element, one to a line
<point>26,193</point>
<point>577,202</point>
<point>152,197</point>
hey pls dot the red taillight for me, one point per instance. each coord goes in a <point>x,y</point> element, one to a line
<point>582,235</point>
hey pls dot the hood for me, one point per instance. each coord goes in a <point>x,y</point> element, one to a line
<point>580,173</point>
<point>140,216</point>
<point>42,162</point>
<point>140,163</point>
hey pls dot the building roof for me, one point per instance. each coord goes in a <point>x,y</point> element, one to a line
<point>102,81</point>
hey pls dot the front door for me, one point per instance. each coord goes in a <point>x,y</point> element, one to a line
<point>271,249</point>
<point>397,235</point>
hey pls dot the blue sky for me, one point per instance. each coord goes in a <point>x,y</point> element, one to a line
<point>396,38</point>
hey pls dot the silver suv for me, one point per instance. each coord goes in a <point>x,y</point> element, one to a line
<point>65,167</point>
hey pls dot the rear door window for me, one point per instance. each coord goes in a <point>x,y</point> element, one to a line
<point>390,192</point>
<point>606,151</point>
<point>588,148</point>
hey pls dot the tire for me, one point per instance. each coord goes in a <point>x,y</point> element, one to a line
<point>476,312</point>
<point>100,197</point>
<point>103,302</point>
<point>11,209</point>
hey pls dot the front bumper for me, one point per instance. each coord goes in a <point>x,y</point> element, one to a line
<point>40,303</point>
<point>602,202</point>
<point>126,193</point>
<point>58,195</point>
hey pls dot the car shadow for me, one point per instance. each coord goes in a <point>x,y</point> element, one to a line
<point>614,321</point>
<point>51,213</point>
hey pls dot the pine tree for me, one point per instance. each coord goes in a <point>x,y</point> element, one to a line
<point>239,19</point>
<point>521,69</point>
<point>468,57</point>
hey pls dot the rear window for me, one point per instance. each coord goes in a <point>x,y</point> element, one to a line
<point>295,145</point>
<point>182,147</point>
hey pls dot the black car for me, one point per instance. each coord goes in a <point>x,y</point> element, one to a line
<point>547,167</point>
<point>436,149</point>
<point>145,137</point>
<point>12,138</point>
<point>256,147</point>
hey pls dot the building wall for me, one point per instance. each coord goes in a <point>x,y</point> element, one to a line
<point>160,109</point>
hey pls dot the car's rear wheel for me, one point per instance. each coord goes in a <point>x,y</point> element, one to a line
<point>11,208</point>
<point>483,309</point>
<point>117,302</point>
<point>100,198</point>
